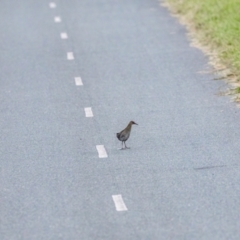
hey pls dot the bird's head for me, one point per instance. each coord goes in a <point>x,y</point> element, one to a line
<point>132,122</point>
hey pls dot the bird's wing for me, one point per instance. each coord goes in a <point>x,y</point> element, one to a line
<point>124,135</point>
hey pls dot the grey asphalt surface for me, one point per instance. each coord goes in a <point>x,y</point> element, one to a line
<point>179,180</point>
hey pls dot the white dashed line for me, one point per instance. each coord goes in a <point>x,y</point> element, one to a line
<point>70,56</point>
<point>52,5</point>
<point>78,81</point>
<point>101,151</point>
<point>64,35</point>
<point>88,112</point>
<point>57,19</point>
<point>119,203</point>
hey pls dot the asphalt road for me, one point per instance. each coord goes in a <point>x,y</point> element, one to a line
<point>179,180</point>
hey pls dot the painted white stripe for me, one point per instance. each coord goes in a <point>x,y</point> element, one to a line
<point>64,35</point>
<point>88,112</point>
<point>78,81</point>
<point>57,19</point>
<point>52,5</point>
<point>101,151</point>
<point>119,203</point>
<point>70,56</point>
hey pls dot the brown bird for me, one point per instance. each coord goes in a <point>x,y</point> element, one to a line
<point>125,133</point>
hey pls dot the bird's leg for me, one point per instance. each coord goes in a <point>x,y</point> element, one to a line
<point>126,145</point>
<point>122,146</point>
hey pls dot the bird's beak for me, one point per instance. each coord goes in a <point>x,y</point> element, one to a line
<point>135,123</point>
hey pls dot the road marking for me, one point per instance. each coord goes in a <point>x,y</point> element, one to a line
<point>70,56</point>
<point>64,35</point>
<point>101,151</point>
<point>119,203</point>
<point>78,81</point>
<point>88,112</point>
<point>52,5</point>
<point>57,19</point>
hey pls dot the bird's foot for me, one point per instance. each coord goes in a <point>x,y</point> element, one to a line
<point>124,148</point>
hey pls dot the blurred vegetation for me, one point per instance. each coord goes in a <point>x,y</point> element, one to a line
<point>217,25</point>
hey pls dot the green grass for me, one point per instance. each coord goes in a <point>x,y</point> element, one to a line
<point>237,90</point>
<point>216,24</point>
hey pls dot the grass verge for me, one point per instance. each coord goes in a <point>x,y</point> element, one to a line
<point>215,24</point>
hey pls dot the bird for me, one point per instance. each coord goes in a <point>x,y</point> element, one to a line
<point>124,134</point>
